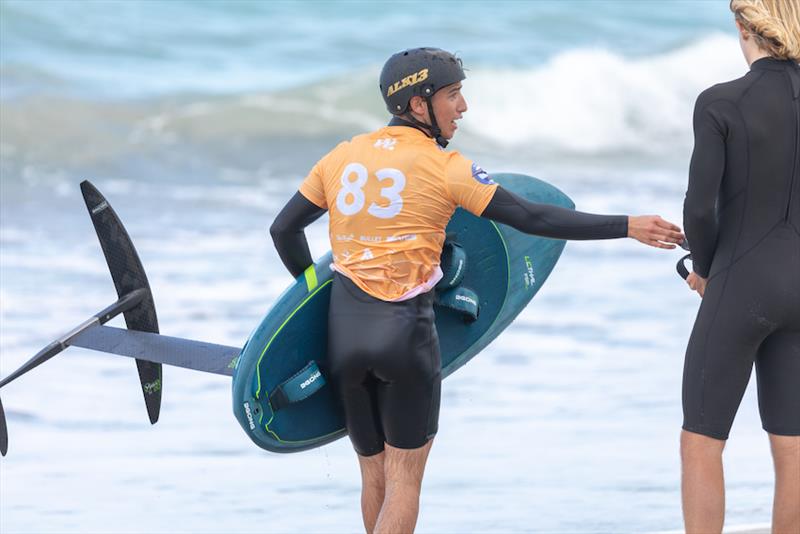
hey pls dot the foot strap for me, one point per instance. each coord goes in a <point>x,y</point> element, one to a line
<point>461,299</point>
<point>302,385</point>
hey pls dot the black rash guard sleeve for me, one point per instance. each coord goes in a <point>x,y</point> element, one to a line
<point>705,176</point>
<point>288,236</point>
<point>552,221</point>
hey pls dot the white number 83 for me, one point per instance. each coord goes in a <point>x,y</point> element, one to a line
<point>356,189</point>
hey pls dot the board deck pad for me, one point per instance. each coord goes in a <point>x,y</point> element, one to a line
<point>504,267</point>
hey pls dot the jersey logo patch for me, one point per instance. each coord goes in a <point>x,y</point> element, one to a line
<point>388,143</point>
<point>481,175</point>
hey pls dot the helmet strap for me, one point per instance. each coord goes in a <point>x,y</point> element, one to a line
<point>436,132</point>
<point>432,130</point>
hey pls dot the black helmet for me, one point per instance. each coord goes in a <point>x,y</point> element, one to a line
<point>417,72</point>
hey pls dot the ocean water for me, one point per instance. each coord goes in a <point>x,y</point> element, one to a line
<point>199,119</point>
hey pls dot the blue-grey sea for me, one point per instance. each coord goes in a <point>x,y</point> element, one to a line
<point>198,120</point>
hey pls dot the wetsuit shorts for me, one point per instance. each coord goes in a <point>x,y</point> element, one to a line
<point>750,313</point>
<point>385,366</point>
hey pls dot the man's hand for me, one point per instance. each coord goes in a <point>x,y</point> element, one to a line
<point>654,231</point>
<point>697,283</point>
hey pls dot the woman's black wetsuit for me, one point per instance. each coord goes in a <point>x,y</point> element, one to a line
<point>742,220</point>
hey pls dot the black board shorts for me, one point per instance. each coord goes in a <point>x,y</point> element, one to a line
<point>385,366</point>
<point>750,313</point>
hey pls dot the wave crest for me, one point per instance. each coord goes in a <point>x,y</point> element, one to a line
<point>581,102</point>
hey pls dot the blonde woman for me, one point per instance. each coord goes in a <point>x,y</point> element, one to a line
<point>742,219</point>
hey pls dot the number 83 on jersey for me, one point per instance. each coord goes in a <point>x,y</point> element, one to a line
<point>350,199</point>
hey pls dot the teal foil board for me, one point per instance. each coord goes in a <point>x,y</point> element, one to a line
<point>504,267</point>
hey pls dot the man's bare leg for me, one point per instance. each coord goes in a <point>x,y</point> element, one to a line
<point>702,483</point>
<point>373,488</point>
<point>786,506</point>
<point>404,469</point>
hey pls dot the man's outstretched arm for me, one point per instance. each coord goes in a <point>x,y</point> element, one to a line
<point>288,235</point>
<point>562,223</point>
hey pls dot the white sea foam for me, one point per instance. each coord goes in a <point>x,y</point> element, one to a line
<point>591,100</point>
<point>578,401</point>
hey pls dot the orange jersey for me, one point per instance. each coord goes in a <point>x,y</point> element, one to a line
<point>390,194</point>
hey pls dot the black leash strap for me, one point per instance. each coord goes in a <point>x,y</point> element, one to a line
<point>681,266</point>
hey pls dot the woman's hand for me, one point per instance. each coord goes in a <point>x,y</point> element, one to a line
<point>697,283</point>
<point>654,231</point>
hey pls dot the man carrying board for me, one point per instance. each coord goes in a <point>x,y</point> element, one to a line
<point>390,194</point>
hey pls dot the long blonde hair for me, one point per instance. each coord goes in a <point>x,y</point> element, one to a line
<point>775,25</point>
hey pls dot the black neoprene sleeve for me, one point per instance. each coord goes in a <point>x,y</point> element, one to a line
<point>552,221</point>
<point>288,235</point>
<point>705,176</point>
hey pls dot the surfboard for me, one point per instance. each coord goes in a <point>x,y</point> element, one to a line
<point>280,394</point>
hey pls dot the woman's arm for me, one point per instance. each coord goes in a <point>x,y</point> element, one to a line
<point>288,236</point>
<point>705,176</point>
